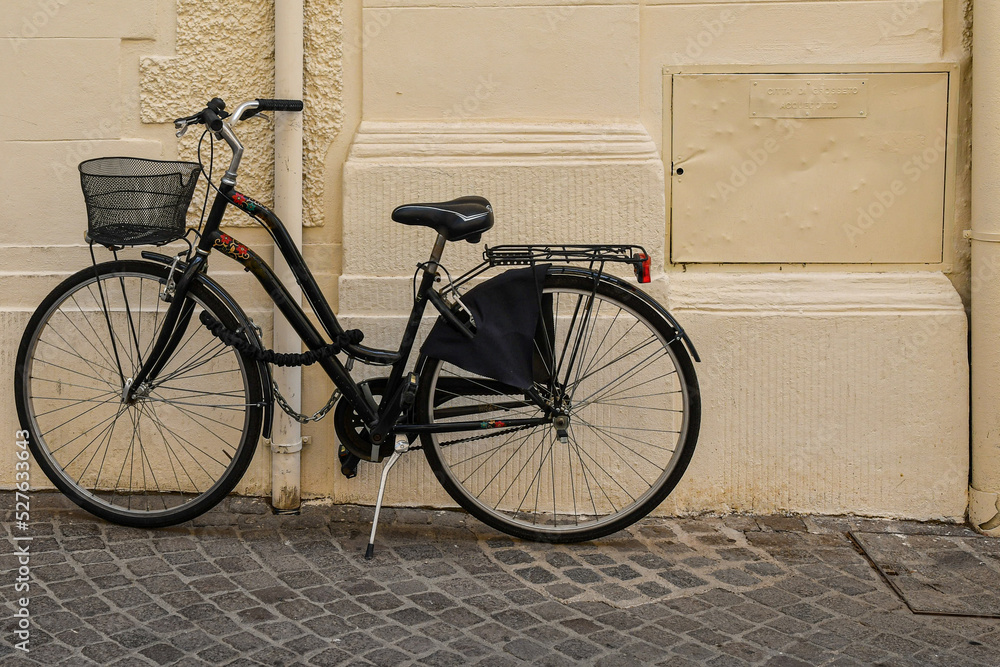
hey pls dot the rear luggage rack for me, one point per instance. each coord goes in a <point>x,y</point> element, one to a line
<point>514,255</point>
<point>521,255</point>
<point>594,256</point>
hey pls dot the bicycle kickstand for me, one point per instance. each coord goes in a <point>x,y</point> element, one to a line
<point>402,446</point>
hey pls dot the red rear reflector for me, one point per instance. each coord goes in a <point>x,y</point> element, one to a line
<point>641,268</point>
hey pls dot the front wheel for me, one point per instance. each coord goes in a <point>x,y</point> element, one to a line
<point>622,408</point>
<point>187,437</point>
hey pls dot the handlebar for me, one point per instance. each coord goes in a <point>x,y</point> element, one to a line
<point>214,113</point>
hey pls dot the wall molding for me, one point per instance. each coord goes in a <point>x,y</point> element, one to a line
<point>511,143</point>
<point>789,293</point>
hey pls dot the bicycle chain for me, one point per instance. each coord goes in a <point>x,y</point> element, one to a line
<point>491,434</point>
<point>298,416</point>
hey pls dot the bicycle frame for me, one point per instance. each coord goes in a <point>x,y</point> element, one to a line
<point>529,418</point>
<point>381,419</point>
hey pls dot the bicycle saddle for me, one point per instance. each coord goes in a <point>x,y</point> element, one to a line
<point>463,218</point>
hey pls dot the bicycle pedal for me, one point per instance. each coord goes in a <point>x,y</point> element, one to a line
<point>409,391</point>
<point>348,462</point>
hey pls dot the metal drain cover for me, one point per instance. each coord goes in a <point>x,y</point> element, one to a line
<point>938,574</point>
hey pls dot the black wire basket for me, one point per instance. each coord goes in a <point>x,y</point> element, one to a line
<point>134,201</point>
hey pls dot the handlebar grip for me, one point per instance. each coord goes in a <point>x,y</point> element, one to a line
<point>212,120</point>
<point>279,105</point>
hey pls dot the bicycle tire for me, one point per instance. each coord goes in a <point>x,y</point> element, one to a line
<point>614,466</point>
<point>172,454</point>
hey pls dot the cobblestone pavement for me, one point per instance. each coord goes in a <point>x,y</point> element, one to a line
<point>244,587</point>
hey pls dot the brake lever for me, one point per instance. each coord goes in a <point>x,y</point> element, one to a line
<point>252,113</point>
<point>182,124</point>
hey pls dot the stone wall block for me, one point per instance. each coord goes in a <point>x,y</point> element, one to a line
<point>31,19</point>
<point>827,393</point>
<point>37,96</point>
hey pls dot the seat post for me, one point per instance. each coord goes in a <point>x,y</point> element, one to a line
<point>438,249</point>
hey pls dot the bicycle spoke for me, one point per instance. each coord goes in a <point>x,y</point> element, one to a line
<point>187,447</point>
<point>67,384</point>
<point>495,450</point>
<point>155,326</point>
<point>514,480</point>
<point>89,410</point>
<point>234,407</point>
<point>70,370</point>
<point>624,460</point>
<point>197,418</point>
<point>613,478</point>
<point>92,364</point>
<point>624,355</point>
<point>129,458</point>
<point>593,476</point>
<point>204,359</point>
<point>195,358</point>
<point>575,448</point>
<point>594,316</point>
<point>606,396</point>
<point>481,452</point>
<point>110,356</point>
<point>587,365</point>
<point>622,377</point>
<point>544,453</point>
<point>644,443</point>
<point>128,312</point>
<point>569,332</point>
<point>181,441</point>
<point>92,399</point>
<point>189,376</point>
<point>168,450</point>
<point>102,448</point>
<point>106,432</point>
<point>572,482</point>
<point>578,339</point>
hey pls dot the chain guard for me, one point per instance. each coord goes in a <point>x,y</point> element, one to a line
<point>352,430</point>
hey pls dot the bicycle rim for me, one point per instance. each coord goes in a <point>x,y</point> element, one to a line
<point>627,391</point>
<point>172,453</point>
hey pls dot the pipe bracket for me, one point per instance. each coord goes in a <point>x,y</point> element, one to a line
<point>986,237</point>
<point>290,448</point>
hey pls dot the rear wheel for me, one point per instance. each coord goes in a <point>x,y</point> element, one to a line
<point>623,412</point>
<point>187,438</point>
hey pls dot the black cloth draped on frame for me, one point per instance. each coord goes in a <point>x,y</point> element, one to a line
<point>506,309</point>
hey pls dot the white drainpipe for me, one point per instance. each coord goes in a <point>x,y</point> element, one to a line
<point>286,438</point>
<point>984,491</point>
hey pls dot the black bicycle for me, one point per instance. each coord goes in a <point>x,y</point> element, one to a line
<point>553,401</point>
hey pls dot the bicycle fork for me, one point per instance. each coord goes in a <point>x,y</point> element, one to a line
<point>175,323</point>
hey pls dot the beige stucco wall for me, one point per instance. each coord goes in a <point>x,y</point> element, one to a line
<point>817,386</point>
<point>835,390</point>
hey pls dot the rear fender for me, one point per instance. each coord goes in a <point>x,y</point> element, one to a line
<point>643,296</point>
